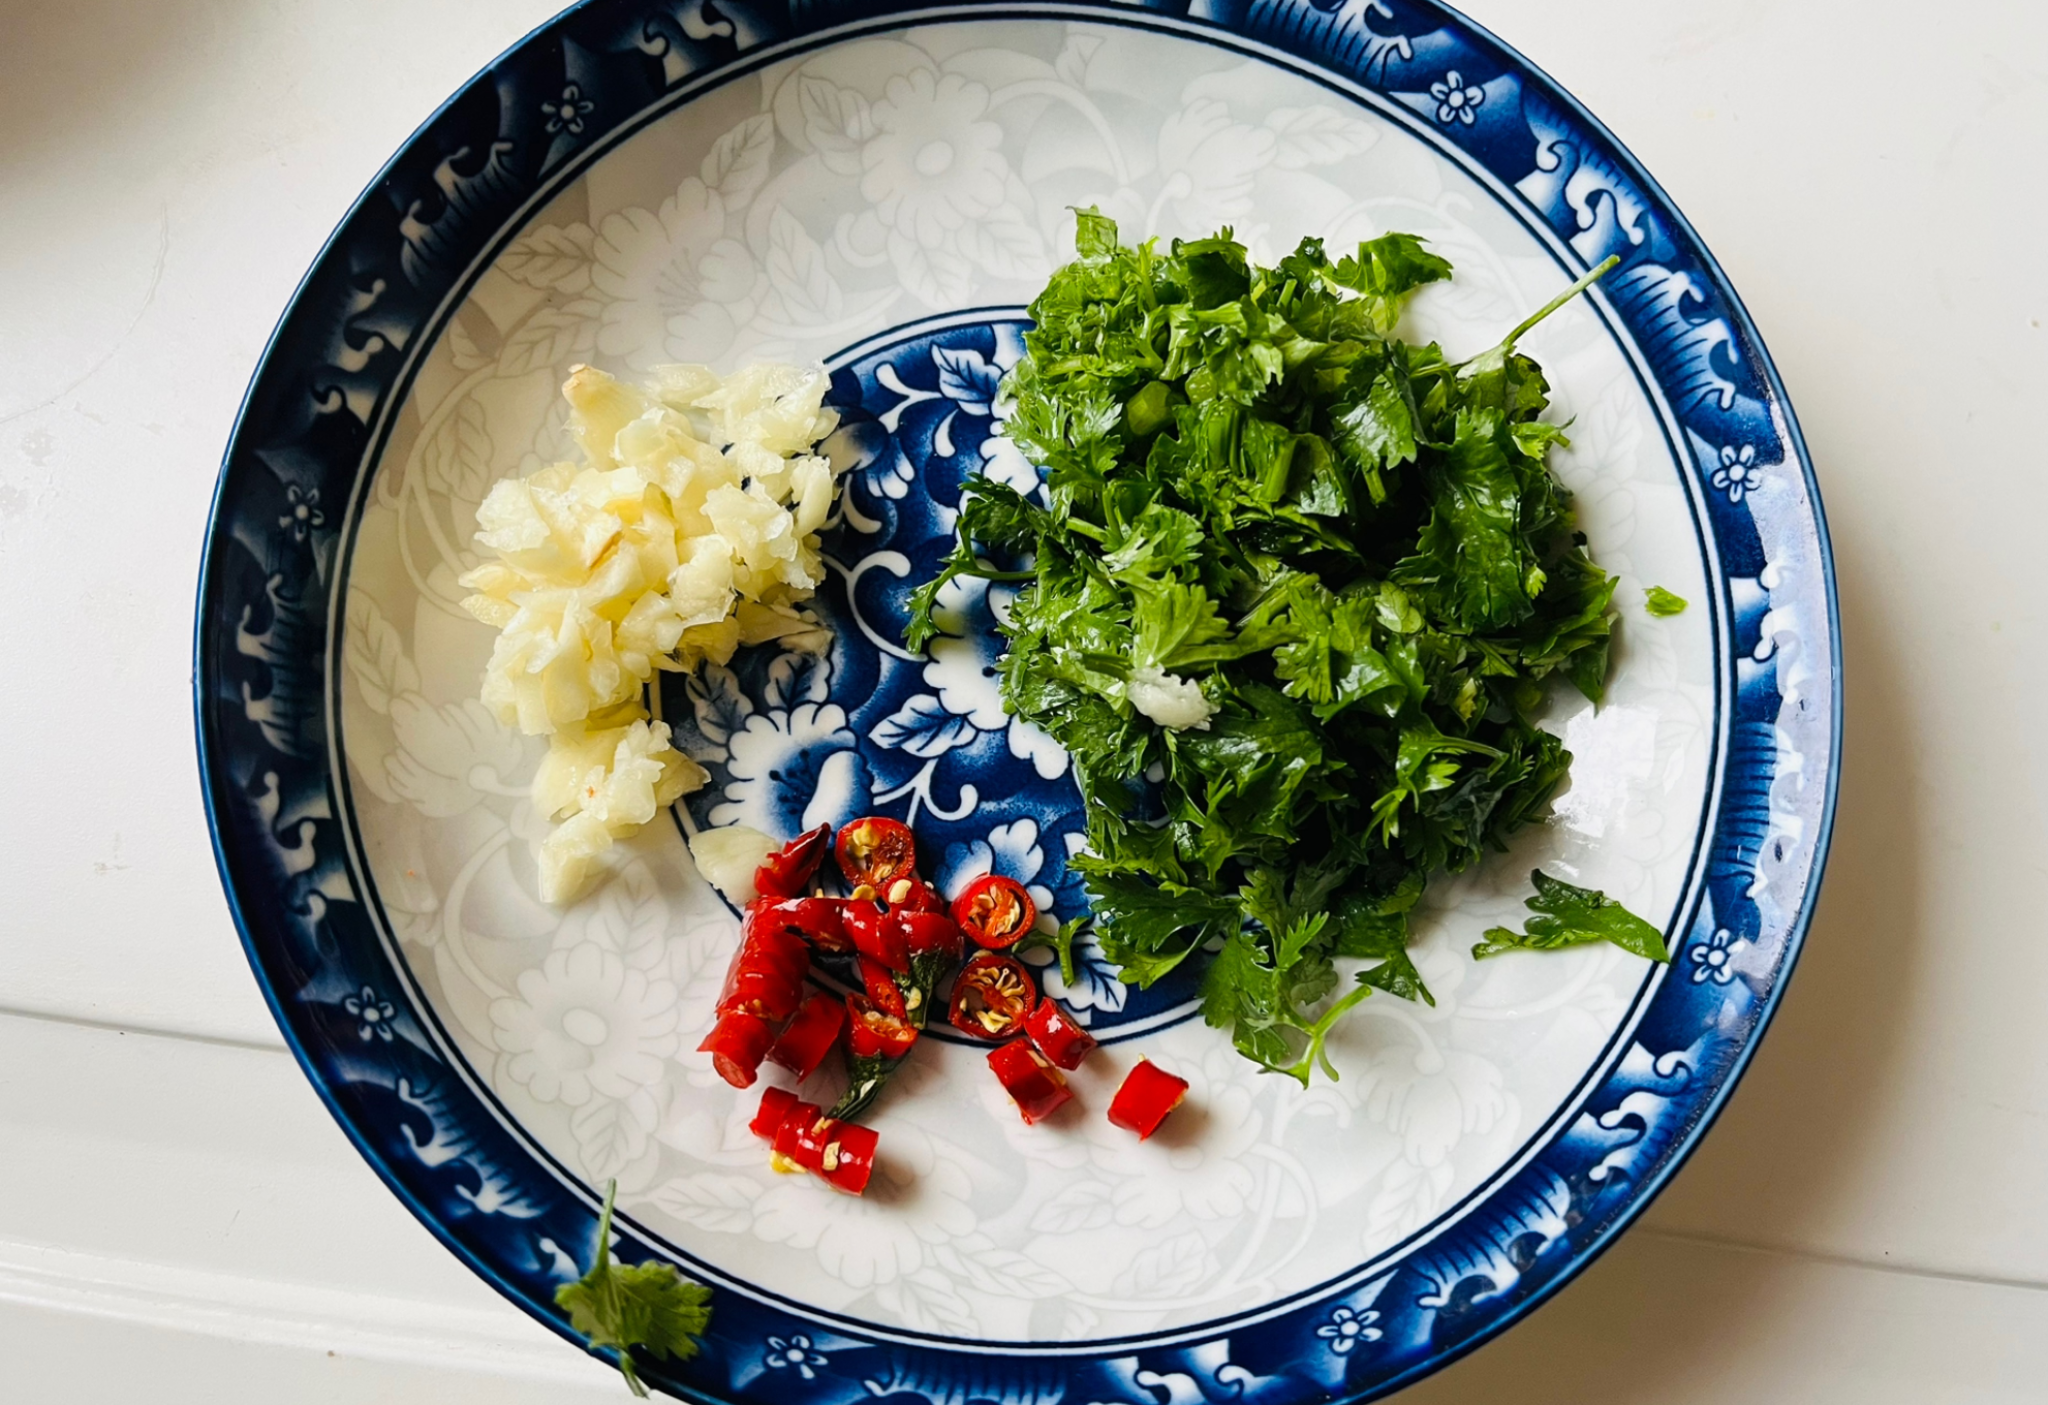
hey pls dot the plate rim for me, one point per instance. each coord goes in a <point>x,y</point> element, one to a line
<point>214,781</point>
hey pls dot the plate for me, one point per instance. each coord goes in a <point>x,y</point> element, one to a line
<point>883,188</point>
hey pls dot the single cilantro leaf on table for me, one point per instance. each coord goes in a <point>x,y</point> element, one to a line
<point>1662,603</point>
<point>1568,915</point>
<point>623,1306</point>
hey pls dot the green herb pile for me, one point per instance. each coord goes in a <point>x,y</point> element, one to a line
<point>1295,596</point>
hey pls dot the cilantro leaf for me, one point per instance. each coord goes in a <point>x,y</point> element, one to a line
<point>624,1306</point>
<point>1472,557</point>
<point>1000,518</point>
<point>1094,234</point>
<point>1146,927</point>
<point>1568,915</point>
<point>1376,432</point>
<point>1386,270</point>
<point>1662,603</point>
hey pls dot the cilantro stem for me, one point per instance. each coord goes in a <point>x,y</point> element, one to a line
<point>1592,275</point>
<point>1318,1033</point>
<point>604,1224</point>
<point>633,1381</point>
<point>611,1295</point>
<point>1063,944</point>
<point>611,1291</point>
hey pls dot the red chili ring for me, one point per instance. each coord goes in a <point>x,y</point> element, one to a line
<point>876,934</point>
<point>784,873</point>
<point>810,1035</point>
<point>848,1157</point>
<point>775,1105</point>
<point>995,911</point>
<point>737,1044</point>
<point>1034,1085</point>
<point>874,1033</point>
<point>992,997</point>
<point>1057,1036</point>
<point>796,1138</point>
<point>875,852</point>
<point>1148,1093</point>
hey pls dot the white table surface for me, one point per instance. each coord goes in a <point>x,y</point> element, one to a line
<point>179,1219</point>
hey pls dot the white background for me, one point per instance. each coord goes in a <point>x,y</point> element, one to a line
<point>179,1217</point>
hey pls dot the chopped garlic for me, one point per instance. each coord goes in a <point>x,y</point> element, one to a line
<point>728,857</point>
<point>1169,700</point>
<point>688,531</point>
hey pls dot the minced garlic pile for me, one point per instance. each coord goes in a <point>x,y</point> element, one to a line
<point>689,529</point>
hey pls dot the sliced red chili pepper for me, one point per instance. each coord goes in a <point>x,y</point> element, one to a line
<point>930,934</point>
<point>789,870</point>
<point>992,997</point>
<point>933,950</point>
<point>1148,1094</point>
<point>913,894</point>
<point>816,920</point>
<point>874,853</point>
<point>767,972</point>
<point>880,984</point>
<point>848,1157</point>
<point>803,1045</point>
<point>841,1153</point>
<point>873,1033</point>
<point>784,918</point>
<point>1057,1036</point>
<point>876,934</point>
<point>776,941</point>
<point>737,1044</point>
<point>1034,1085</point>
<point>775,1105</point>
<point>755,992</point>
<point>796,1137</point>
<point>774,937</point>
<point>995,911</point>
<point>934,942</point>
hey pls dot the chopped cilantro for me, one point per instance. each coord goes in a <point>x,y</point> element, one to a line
<point>1567,915</point>
<point>645,1305</point>
<point>1662,603</point>
<point>1295,593</point>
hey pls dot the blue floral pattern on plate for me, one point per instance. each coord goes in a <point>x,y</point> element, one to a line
<point>925,732</point>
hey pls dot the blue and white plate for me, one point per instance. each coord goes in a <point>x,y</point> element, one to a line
<point>883,188</point>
